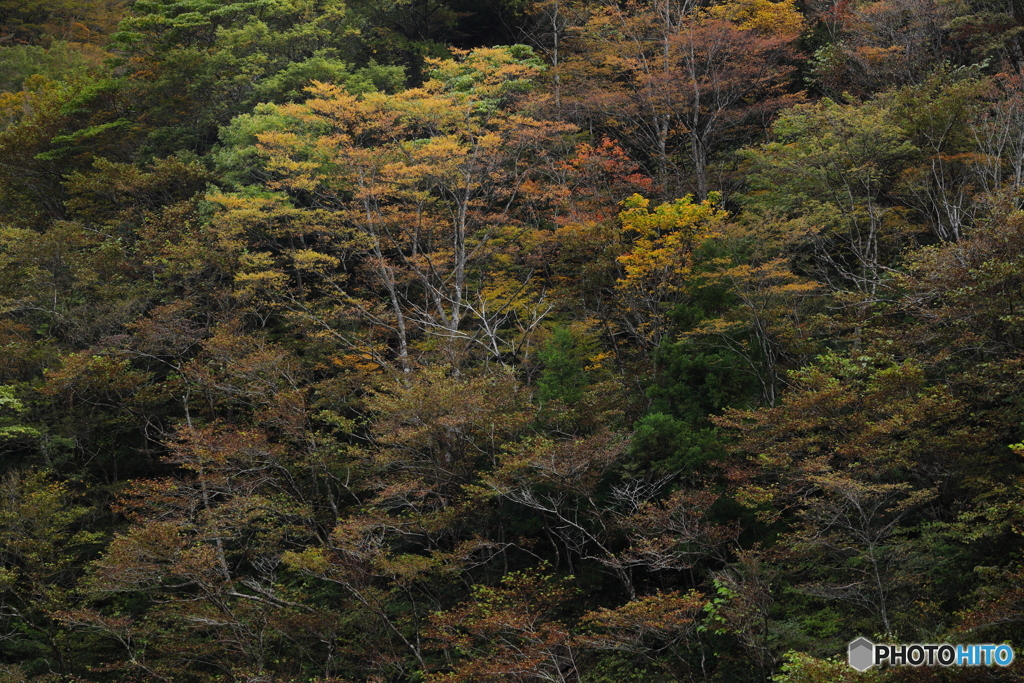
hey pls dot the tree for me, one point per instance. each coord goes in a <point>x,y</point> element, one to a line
<point>984,30</point>
<point>43,21</point>
<point>442,431</point>
<point>565,357</point>
<point>194,65</point>
<point>508,633</point>
<point>768,327</point>
<point>936,116</point>
<point>966,295</point>
<point>196,581</point>
<point>62,61</point>
<point>733,75</point>
<point>999,134</point>
<point>659,260</point>
<point>424,522</point>
<point>833,165</point>
<point>660,628</point>
<point>31,119</point>
<point>676,82</point>
<point>44,545</point>
<point>870,46</point>
<point>561,482</point>
<point>850,494</point>
<point>578,258</point>
<point>429,184</point>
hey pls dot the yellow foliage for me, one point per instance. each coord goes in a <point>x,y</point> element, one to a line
<point>361,362</point>
<point>309,260</point>
<point>311,560</point>
<point>597,361</point>
<point>663,241</point>
<point>761,16</point>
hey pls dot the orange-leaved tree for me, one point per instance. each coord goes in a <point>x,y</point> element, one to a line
<point>677,83</point>
<point>421,195</point>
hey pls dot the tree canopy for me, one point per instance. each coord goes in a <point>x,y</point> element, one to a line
<point>525,340</point>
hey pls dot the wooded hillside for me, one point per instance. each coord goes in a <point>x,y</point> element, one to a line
<point>519,340</point>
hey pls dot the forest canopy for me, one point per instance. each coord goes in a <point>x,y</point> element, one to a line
<point>520,340</point>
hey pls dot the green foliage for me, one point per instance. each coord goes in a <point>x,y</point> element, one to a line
<point>674,445</point>
<point>198,64</point>
<point>566,355</point>
<point>616,668</point>
<point>830,153</point>
<point>830,168</point>
<point>60,61</point>
<point>11,408</point>
<point>803,668</point>
<point>44,543</point>
<point>29,119</point>
<point>238,160</point>
<point>288,84</point>
<point>491,77</point>
<point>694,382</point>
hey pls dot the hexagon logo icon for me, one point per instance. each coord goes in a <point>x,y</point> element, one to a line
<point>862,654</point>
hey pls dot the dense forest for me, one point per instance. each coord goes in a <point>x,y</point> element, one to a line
<point>585,341</point>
